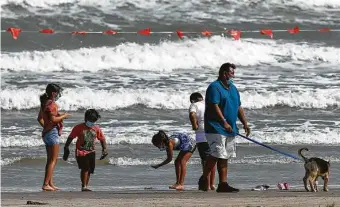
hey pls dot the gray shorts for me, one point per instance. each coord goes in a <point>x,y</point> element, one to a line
<point>221,146</point>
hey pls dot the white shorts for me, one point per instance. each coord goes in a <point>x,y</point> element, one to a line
<point>221,146</point>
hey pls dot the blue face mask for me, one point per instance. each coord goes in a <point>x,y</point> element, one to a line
<point>231,80</point>
<point>162,148</point>
<point>89,124</point>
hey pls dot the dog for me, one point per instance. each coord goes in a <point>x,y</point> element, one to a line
<point>315,167</point>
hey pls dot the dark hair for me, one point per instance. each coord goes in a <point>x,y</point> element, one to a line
<point>195,97</point>
<point>226,68</point>
<point>158,138</point>
<point>91,115</point>
<point>50,88</point>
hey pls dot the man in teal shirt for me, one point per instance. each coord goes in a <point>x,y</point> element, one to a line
<point>223,107</point>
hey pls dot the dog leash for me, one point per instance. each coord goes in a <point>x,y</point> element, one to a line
<point>269,147</point>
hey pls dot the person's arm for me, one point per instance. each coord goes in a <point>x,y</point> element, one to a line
<point>73,134</point>
<point>66,149</point>
<point>101,138</point>
<point>58,118</point>
<point>104,146</point>
<point>170,151</point>
<point>242,117</point>
<point>40,119</point>
<point>193,120</point>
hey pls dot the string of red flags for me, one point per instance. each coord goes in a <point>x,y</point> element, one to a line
<point>235,34</point>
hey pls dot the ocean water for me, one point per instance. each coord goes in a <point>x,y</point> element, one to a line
<point>289,85</point>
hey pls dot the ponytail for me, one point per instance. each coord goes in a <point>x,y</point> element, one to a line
<point>43,99</point>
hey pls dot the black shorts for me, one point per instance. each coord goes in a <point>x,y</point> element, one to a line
<point>203,149</point>
<point>87,162</point>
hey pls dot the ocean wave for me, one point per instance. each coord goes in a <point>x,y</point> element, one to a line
<point>168,56</point>
<point>175,10</point>
<point>128,161</point>
<point>83,98</point>
<point>142,135</point>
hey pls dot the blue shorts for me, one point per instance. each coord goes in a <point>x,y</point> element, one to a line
<point>51,137</point>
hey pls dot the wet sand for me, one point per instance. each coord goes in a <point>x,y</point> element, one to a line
<point>173,198</point>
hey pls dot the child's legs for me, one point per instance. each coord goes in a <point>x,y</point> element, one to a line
<point>212,176</point>
<point>84,177</point>
<point>184,157</point>
<point>86,164</point>
<point>204,152</point>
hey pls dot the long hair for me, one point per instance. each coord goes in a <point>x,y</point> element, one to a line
<point>159,138</point>
<point>50,88</point>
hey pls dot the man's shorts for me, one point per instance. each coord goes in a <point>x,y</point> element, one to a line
<point>87,162</point>
<point>221,146</point>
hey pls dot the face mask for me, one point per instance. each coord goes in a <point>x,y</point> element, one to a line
<point>231,80</point>
<point>162,148</point>
<point>89,124</point>
<point>57,96</point>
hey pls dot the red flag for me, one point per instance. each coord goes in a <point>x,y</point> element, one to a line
<point>206,33</point>
<point>112,32</point>
<point>14,31</point>
<point>145,32</point>
<point>294,30</point>
<point>324,30</point>
<point>79,32</point>
<point>268,32</point>
<point>180,34</point>
<point>47,31</point>
<point>236,34</point>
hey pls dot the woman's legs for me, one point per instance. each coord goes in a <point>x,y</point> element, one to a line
<point>183,159</point>
<point>52,156</point>
<point>178,171</point>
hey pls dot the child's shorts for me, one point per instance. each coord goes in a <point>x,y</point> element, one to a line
<point>203,149</point>
<point>87,162</point>
<point>51,137</point>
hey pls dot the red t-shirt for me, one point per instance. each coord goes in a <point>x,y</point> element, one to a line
<point>86,138</point>
<point>50,107</point>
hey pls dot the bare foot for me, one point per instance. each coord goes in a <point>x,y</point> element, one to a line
<point>173,186</point>
<point>212,187</point>
<point>85,189</point>
<point>47,188</point>
<point>180,187</point>
<point>53,186</point>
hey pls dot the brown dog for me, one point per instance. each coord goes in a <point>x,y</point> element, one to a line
<point>315,167</point>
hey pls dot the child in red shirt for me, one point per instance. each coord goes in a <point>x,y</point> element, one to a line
<point>87,133</point>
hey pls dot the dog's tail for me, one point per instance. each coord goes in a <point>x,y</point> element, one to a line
<point>301,155</point>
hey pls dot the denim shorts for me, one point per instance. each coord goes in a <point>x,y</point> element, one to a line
<point>51,137</point>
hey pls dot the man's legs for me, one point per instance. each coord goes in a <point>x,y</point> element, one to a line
<point>222,148</point>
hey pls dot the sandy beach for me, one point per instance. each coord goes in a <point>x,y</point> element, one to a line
<point>171,198</point>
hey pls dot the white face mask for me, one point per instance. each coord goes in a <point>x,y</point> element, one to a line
<point>89,124</point>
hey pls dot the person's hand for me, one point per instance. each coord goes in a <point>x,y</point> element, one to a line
<point>155,166</point>
<point>66,153</point>
<point>246,130</point>
<point>66,115</point>
<point>104,154</point>
<point>227,127</point>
